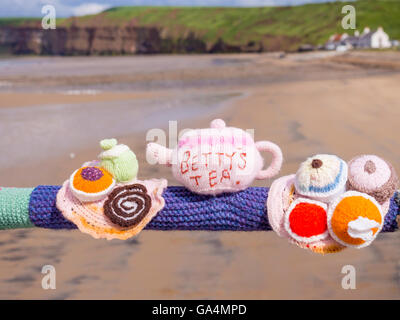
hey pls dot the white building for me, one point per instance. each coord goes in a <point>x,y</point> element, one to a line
<point>377,39</point>
<point>380,39</point>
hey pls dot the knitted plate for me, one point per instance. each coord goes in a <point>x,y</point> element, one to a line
<point>280,197</point>
<point>144,203</point>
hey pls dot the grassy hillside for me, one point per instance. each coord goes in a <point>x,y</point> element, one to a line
<point>311,23</point>
<point>16,22</point>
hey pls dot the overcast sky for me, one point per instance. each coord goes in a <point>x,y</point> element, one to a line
<point>65,8</point>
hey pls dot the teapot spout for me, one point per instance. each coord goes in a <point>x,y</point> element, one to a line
<point>158,154</point>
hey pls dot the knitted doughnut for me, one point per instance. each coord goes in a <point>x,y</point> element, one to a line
<point>321,177</point>
<point>91,183</point>
<point>374,176</point>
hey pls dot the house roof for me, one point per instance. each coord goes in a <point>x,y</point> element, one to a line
<point>367,35</point>
<point>336,37</point>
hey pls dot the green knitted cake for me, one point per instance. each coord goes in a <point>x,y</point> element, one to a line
<point>14,208</point>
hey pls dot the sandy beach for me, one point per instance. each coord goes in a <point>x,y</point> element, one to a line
<point>54,110</point>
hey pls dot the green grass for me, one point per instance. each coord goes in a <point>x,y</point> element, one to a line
<point>17,22</point>
<point>311,23</point>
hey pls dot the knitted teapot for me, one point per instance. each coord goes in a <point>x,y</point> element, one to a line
<point>119,160</point>
<point>217,159</point>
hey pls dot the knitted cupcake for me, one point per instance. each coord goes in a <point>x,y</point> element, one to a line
<point>321,177</point>
<point>374,176</point>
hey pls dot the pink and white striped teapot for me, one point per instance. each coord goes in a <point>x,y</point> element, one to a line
<point>217,159</point>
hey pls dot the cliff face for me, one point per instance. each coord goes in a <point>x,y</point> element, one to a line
<point>107,41</point>
<point>80,41</point>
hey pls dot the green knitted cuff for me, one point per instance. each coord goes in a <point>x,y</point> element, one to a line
<point>14,208</point>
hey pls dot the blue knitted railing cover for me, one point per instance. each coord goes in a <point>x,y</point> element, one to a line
<point>184,210</point>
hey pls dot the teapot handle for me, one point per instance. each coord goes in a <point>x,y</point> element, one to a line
<point>277,159</point>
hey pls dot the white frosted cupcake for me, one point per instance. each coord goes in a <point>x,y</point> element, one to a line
<point>321,177</point>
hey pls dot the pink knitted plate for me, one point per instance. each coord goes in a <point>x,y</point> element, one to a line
<point>90,217</point>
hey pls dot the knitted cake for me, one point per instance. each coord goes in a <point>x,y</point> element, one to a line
<point>306,220</point>
<point>321,177</point>
<point>355,219</point>
<point>91,183</point>
<point>374,176</point>
<point>313,209</point>
<point>128,205</point>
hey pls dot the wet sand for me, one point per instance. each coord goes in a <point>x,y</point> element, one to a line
<point>306,103</point>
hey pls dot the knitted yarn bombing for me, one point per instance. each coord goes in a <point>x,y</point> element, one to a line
<point>126,206</point>
<point>321,177</point>
<point>91,183</point>
<point>306,220</point>
<point>374,176</point>
<point>217,159</point>
<point>123,214</point>
<point>95,179</point>
<point>14,208</point>
<point>355,219</point>
<point>119,160</point>
<point>314,210</point>
<point>280,197</point>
